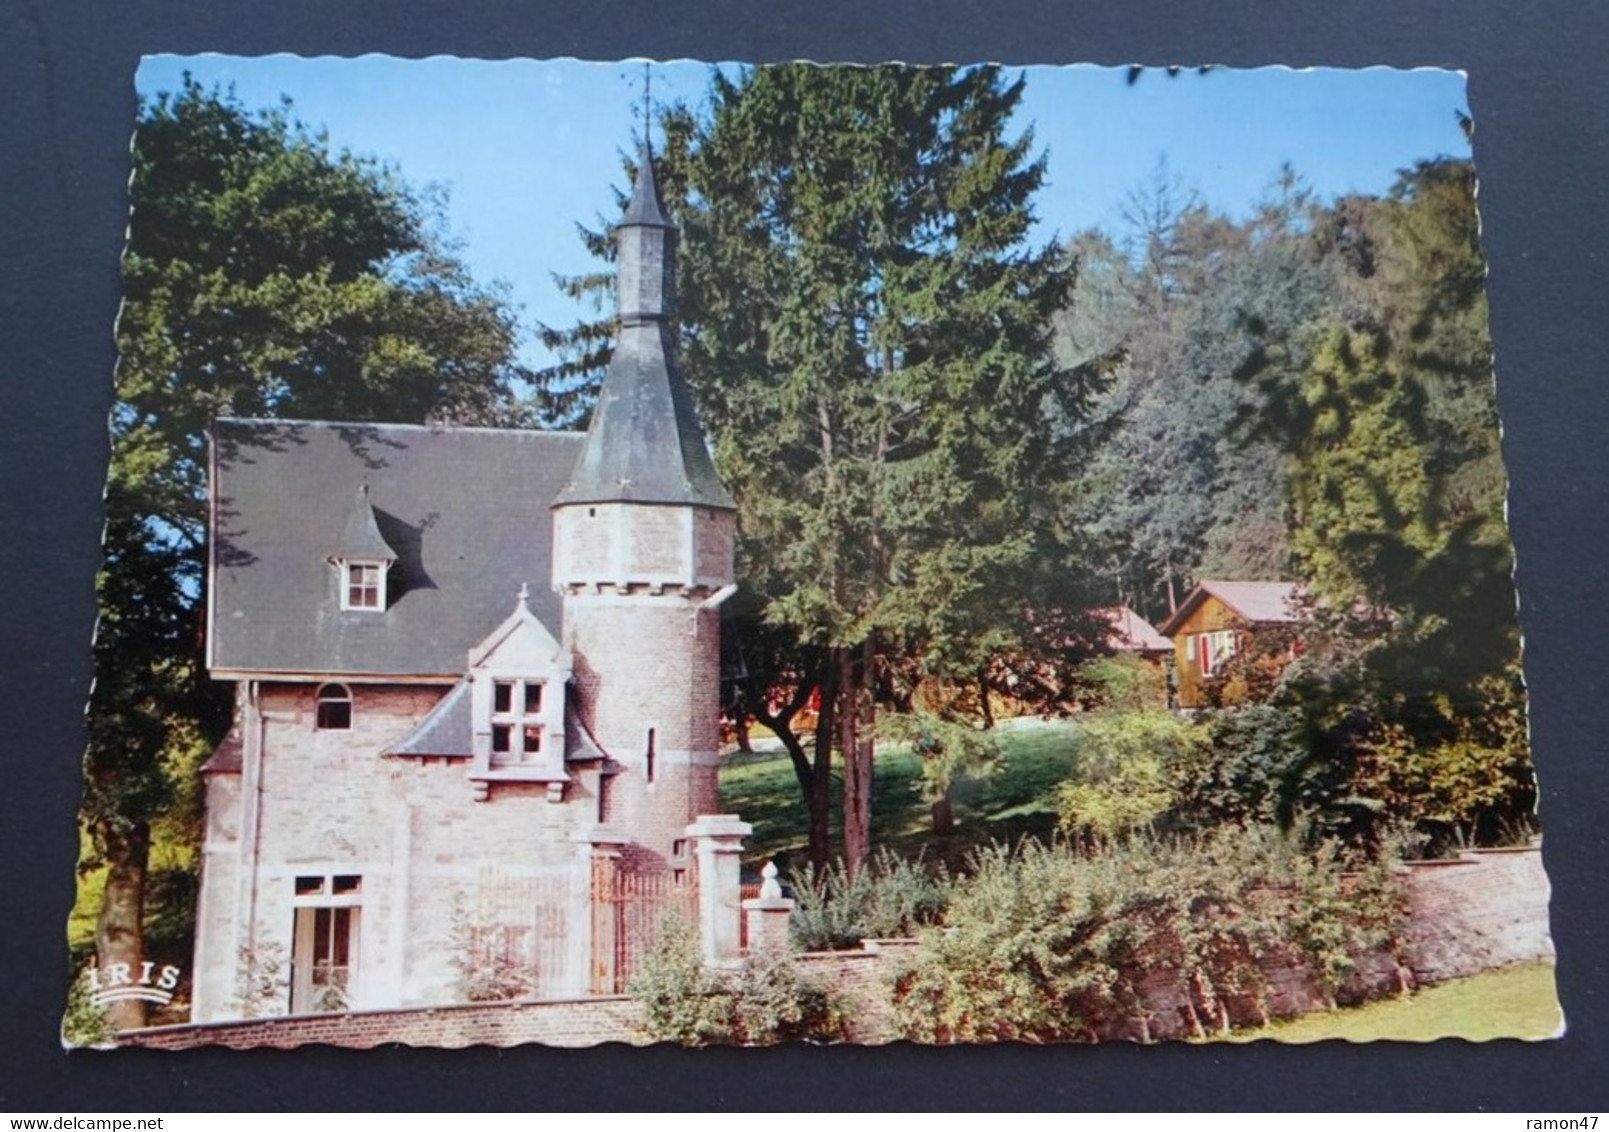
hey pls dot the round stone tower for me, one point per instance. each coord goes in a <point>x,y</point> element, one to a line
<point>642,554</point>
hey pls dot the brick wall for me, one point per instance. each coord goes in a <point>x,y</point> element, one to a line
<point>1486,910</point>
<point>862,983</point>
<point>573,1023</point>
<point>1489,908</point>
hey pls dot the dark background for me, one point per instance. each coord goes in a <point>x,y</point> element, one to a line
<point>1541,107</point>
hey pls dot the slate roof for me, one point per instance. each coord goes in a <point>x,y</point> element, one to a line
<point>446,731</point>
<point>644,207</point>
<point>1260,603</point>
<point>464,510</point>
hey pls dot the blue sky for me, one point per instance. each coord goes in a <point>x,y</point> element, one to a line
<point>527,149</point>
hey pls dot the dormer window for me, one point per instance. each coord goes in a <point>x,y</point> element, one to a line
<point>361,557</point>
<point>363,585</point>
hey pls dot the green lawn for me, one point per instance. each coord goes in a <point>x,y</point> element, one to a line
<point>1017,799</point>
<point>1516,1002</point>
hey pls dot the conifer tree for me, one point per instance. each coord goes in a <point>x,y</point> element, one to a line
<point>866,327</point>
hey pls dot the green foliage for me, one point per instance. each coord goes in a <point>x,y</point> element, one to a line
<point>763,1002</point>
<point>1174,490</point>
<point>949,748</point>
<point>888,898</point>
<point>83,1024</point>
<point>683,1000</point>
<point>866,329</point>
<point>1046,943</point>
<point>1120,682</point>
<point>1124,768</point>
<point>1248,770</point>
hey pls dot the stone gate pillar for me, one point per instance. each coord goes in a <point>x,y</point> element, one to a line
<point>767,915</point>
<point>717,841</point>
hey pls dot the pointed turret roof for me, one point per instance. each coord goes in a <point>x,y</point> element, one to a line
<point>645,208</point>
<point>645,444</point>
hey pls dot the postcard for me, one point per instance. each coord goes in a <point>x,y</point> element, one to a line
<point>727,554</point>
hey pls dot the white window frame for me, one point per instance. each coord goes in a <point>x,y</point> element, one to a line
<point>1217,649</point>
<point>520,721</point>
<point>341,896</point>
<point>372,588</point>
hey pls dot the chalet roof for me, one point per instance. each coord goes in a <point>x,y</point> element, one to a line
<point>1258,603</point>
<point>1133,633</point>
<point>644,444</point>
<point>464,511</point>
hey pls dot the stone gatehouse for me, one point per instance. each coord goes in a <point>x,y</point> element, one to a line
<point>477,694</point>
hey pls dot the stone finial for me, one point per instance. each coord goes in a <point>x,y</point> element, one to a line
<point>770,889</point>
<point>524,595</point>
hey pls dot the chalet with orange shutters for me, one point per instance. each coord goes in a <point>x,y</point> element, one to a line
<point>1221,620</point>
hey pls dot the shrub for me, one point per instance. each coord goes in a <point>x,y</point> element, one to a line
<point>683,1001</point>
<point>487,957</point>
<point>763,1002</point>
<point>888,898</point>
<point>1120,683</point>
<point>1124,769</point>
<point>1052,943</point>
<point>1246,771</point>
<point>84,1023</point>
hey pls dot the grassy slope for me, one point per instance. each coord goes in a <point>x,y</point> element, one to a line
<point>1516,1002</point>
<point>1018,799</point>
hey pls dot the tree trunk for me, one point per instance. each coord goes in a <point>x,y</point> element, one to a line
<point>819,802</point>
<point>813,774</point>
<point>740,727</point>
<point>857,717</point>
<point>119,939</point>
<point>943,813</point>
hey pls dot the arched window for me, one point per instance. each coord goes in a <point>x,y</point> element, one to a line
<point>334,708</point>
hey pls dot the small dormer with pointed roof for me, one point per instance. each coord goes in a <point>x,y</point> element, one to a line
<point>362,557</point>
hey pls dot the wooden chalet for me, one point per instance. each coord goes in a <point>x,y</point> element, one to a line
<point>1220,620</point>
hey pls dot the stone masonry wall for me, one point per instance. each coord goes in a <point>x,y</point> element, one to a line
<point>644,663</point>
<point>425,850</point>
